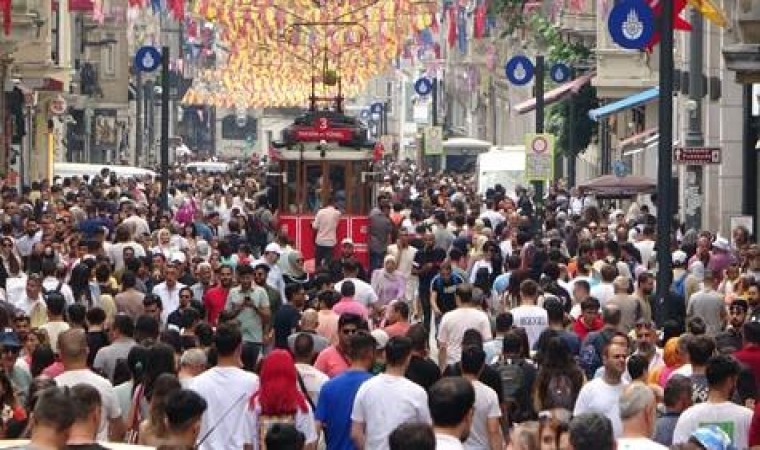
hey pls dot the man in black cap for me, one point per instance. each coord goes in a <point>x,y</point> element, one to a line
<point>21,378</point>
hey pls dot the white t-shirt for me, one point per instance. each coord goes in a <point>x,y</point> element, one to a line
<point>453,326</point>
<point>603,292</point>
<point>54,329</point>
<point>364,292</point>
<point>227,390</point>
<point>313,380</point>
<point>486,407</point>
<point>599,397</point>
<point>646,248</point>
<point>383,403</point>
<point>638,444</point>
<point>730,417</point>
<point>533,319</point>
<point>109,401</point>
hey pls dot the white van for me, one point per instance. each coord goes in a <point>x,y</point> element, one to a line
<point>503,165</point>
<point>68,170</point>
<point>208,167</point>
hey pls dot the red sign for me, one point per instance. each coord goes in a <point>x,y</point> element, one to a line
<point>81,5</point>
<point>696,156</point>
<point>329,134</point>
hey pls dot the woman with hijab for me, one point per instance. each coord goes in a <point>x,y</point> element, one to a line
<point>279,400</point>
<point>388,282</point>
<point>673,361</point>
<point>294,272</point>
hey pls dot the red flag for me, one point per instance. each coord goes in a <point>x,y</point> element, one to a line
<point>452,37</point>
<point>679,23</point>
<point>434,25</point>
<point>378,151</point>
<point>274,153</point>
<point>5,5</point>
<point>479,25</point>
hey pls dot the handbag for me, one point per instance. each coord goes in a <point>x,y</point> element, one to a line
<point>133,431</point>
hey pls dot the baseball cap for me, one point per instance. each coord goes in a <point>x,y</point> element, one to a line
<point>348,241</point>
<point>679,257</point>
<point>381,338</point>
<point>273,248</point>
<point>9,339</point>
<point>178,257</point>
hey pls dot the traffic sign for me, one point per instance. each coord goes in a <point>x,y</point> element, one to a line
<point>697,156</point>
<point>433,140</point>
<point>519,70</point>
<point>560,72</point>
<point>147,59</point>
<point>631,24</point>
<point>365,114</point>
<point>539,157</point>
<point>376,108</point>
<point>423,86</point>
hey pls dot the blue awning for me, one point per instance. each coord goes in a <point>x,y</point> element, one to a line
<point>629,102</point>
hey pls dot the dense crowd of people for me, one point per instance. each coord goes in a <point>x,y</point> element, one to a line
<point>477,321</point>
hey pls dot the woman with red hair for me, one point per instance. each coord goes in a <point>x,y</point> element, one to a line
<point>279,400</point>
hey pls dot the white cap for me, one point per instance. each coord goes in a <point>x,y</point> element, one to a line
<point>273,247</point>
<point>381,338</point>
<point>179,257</point>
<point>679,257</point>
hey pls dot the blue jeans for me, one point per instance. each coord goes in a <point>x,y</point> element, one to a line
<point>375,260</point>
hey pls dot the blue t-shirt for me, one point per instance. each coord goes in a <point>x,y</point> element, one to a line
<point>336,400</point>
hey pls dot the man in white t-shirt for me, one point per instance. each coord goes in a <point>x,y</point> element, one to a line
<point>528,316</point>
<point>722,373</point>
<point>325,225</point>
<point>602,394</point>
<point>227,423</point>
<point>638,411</point>
<point>605,290</point>
<point>388,400</point>
<point>72,347</point>
<point>454,324</point>
<point>364,292</point>
<point>311,378</point>
<point>485,430</point>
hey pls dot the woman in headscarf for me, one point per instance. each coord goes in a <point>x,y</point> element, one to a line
<point>388,282</point>
<point>279,400</point>
<point>673,360</point>
<point>294,272</point>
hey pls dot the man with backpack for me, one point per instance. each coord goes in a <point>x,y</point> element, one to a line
<point>517,377</point>
<point>261,226</point>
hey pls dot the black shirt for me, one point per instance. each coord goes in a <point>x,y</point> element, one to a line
<point>423,371</point>
<point>422,257</point>
<point>285,322</point>
<point>95,341</point>
<point>93,446</point>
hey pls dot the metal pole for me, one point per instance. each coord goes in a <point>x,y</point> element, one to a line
<point>164,130</point>
<point>694,135</point>
<point>434,94</point>
<point>539,185</point>
<point>571,156</point>
<point>665,153</point>
<point>5,63</point>
<point>150,121</point>
<point>138,117</point>
<point>494,112</point>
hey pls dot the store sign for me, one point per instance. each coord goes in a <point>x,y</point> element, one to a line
<point>539,157</point>
<point>697,156</point>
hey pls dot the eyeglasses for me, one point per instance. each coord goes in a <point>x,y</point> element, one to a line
<point>349,330</point>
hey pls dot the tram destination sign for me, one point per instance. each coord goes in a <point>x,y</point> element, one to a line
<point>697,156</point>
<point>322,131</point>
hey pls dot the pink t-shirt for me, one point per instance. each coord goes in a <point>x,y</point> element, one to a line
<point>326,225</point>
<point>331,362</point>
<point>397,329</point>
<point>349,305</point>
<point>328,325</point>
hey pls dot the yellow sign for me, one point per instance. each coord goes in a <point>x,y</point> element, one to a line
<point>539,157</point>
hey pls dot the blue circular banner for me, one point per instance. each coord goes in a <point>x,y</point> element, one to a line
<point>147,59</point>
<point>376,108</point>
<point>423,86</point>
<point>560,73</point>
<point>631,24</point>
<point>520,70</point>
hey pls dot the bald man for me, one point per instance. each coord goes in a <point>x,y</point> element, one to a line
<point>309,324</point>
<point>72,346</point>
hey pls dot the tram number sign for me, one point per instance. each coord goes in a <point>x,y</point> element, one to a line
<point>697,156</point>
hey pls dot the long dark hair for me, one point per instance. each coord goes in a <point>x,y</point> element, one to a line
<point>555,360</point>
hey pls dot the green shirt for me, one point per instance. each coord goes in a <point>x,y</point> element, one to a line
<point>250,322</point>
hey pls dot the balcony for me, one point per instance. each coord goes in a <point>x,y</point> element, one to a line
<point>578,20</point>
<point>744,57</point>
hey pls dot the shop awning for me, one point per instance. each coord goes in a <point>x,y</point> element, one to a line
<point>629,102</point>
<point>556,94</point>
<point>637,138</point>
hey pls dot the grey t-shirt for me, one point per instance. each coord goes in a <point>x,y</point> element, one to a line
<point>708,305</point>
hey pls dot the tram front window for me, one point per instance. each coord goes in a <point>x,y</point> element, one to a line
<point>338,186</point>
<point>313,188</point>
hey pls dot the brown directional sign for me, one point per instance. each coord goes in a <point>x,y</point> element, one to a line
<point>697,156</point>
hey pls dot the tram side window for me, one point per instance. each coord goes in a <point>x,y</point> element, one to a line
<point>359,193</point>
<point>338,188</point>
<point>290,198</point>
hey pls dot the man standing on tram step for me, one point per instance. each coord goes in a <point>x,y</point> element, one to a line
<point>325,226</point>
<point>380,233</point>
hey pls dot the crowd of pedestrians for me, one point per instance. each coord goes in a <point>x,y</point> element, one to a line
<point>480,321</point>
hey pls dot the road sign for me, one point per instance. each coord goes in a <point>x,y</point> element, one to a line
<point>560,72</point>
<point>631,24</point>
<point>519,70</point>
<point>147,59</point>
<point>365,114</point>
<point>697,156</point>
<point>423,86</point>
<point>376,108</point>
<point>433,141</point>
<point>539,157</point>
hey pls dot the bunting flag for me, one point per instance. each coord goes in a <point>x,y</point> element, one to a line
<point>679,23</point>
<point>711,11</point>
<point>479,22</point>
<point>462,31</point>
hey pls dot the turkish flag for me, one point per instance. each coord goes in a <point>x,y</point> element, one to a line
<point>679,23</point>
<point>452,37</point>
<point>378,151</point>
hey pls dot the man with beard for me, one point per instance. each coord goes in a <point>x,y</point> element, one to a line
<point>451,402</point>
<point>602,394</point>
<point>732,338</point>
<point>427,262</point>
